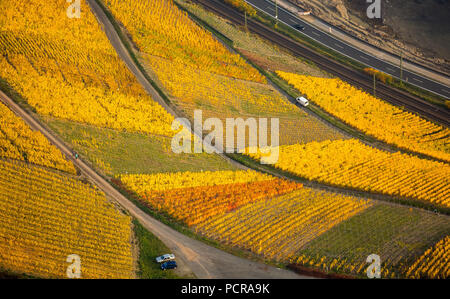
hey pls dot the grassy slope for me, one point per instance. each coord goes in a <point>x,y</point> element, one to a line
<point>116,152</point>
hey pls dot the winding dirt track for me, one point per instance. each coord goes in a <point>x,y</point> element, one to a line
<point>193,256</point>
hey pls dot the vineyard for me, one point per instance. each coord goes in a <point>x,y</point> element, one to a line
<point>46,216</point>
<point>67,72</point>
<point>351,164</point>
<point>434,263</point>
<point>399,235</point>
<point>67,69</point>
<point>373,116</point>
<point>277,228</point>
<point>19,142</point>
<point>161,29</point>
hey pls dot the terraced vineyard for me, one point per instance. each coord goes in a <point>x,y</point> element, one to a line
<point>351,164</point>
<point>68,74</point>
<point>222,85</point>
<point>279,227</point>
<point>47,216</point>
<point>67,69</point>
<point>373,116</point>
<point>18,141</point>
<point>195,197</point>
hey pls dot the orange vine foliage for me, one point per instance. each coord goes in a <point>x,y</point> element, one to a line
<point>434,263</point>
<point>18,141</point>
<point>194,197</point>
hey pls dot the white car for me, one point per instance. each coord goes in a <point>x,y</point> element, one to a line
<point>302,101</point>
<point>165,258</point>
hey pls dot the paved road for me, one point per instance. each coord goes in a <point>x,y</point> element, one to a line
<point>290,19</point>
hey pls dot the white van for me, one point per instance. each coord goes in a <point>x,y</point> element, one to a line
<point>302,101</point>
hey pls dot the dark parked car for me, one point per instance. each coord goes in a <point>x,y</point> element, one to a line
<point>169,265</point>
<point>299,27</point>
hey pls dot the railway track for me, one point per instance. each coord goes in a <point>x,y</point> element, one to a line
<point>354,77</point>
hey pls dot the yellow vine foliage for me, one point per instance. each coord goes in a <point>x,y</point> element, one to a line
<point>278,227</point>
<point>66,68</point>
<point>191,85</point>
<point>434,263</point>
<point>385,78</point>
<point>161,29</point>
<point>46,216</point>
<point>374,116</point>
<point>147,183</point>
<point>194,205</point>
<point>243,6</point>
<point>18,141</point>
<point>351,164</point>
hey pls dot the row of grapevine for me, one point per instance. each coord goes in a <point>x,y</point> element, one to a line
<point>351,164</point>
<point>196,197</point>
<point>66,68</point>
<point>278,227</point>
<point>373,116</point>
<point>46,216</point>
<point>398,235</point>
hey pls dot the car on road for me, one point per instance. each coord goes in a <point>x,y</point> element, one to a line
<point>302,101</point>
<point>168,265</point>
<point>299,27</point>
<point>165,258</point>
